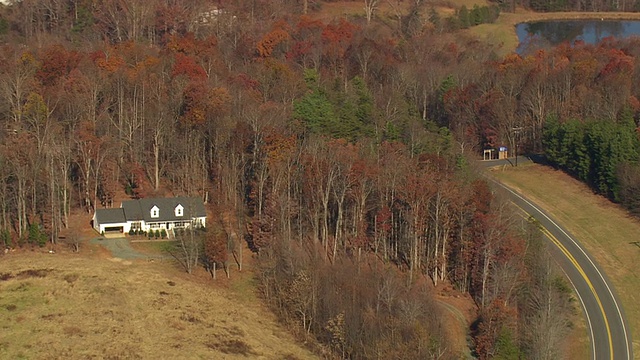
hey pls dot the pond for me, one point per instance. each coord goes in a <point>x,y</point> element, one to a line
<point>544,34</point>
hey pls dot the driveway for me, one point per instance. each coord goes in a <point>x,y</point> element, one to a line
<point>121,248</point>
<point>522,159</point>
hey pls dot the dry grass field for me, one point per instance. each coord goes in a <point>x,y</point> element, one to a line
<point>605,229</point>
<point>92,305</point>
<point>67,306</point>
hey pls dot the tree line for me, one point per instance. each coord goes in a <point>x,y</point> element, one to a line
<point>570,5</point>
<point>576,104</point>
<point>603,154</point>
<point>338,145</point>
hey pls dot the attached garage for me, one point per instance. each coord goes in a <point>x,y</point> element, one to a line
<point>109,220</point>
<point>119,229</point>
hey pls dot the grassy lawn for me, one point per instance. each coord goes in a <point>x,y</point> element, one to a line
<point>69,306</point>
<point>151,247</point>
<point>604,228</point>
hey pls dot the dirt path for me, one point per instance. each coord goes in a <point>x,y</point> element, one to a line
<point>460,330</point>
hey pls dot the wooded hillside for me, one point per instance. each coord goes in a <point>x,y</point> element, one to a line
<point>342,145</point>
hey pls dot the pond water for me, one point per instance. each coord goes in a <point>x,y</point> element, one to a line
<point>543,34</point>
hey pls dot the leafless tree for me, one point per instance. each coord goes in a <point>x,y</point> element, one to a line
<point>187,249</point>
<point>370,7</point>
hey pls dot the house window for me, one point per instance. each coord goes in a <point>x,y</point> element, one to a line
<point>179,210</point>
<point>135,225</point>
<point>155,212</point>
<point>154,225</point>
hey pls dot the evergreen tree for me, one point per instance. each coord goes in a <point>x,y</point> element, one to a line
<point>464,17</point>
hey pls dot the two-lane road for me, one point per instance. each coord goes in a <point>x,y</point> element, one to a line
<point>608,330</point>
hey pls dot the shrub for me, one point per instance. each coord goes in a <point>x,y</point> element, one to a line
<point>128,189</point>
<point>163,233</point>
<point>157,233</point>
<point>5,238</point>
<point>132,232</point>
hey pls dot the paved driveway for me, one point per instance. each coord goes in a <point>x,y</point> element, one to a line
<point>121,248</point>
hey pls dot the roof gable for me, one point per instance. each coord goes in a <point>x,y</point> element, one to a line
<point>179,210</point>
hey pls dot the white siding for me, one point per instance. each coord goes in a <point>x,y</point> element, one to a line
<point>96,226</point>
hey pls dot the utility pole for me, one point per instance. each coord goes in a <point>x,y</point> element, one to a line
<point>516,132</point>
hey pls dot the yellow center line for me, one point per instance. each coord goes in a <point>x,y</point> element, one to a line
<point>575,263</point>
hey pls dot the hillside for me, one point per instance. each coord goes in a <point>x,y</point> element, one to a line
<point>78,307</point>
<point>341,144</point>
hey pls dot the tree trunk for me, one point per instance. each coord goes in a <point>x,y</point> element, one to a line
<point>19,203</point>
<point>156,160</point>
<point>338,231</point>
<point>52,193</point>
<point>485,275</point>
<point>443,256</point>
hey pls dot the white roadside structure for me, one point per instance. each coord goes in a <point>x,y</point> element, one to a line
<point>151,214</point>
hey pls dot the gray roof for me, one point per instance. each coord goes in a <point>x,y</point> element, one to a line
<point>110,216</point>
<point>136,210</point>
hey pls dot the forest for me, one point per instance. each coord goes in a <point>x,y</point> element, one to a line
<point>576,104</point>
<point>343,146</point>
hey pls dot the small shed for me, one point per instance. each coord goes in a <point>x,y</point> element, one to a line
<point>503,152</point>
<point>489,154</point>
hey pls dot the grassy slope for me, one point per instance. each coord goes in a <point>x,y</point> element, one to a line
<point>602,227</point>
<point>78,306</point>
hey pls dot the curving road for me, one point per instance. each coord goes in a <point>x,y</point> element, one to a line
<point>608,330</point>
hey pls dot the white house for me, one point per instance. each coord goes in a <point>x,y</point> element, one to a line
<point>151,214</point>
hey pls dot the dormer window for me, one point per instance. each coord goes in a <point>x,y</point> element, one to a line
<point>179,210</point>
<point>155,212</point>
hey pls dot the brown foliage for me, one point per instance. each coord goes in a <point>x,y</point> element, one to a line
<point>57,62</point>
<point>268,43</point>
<point>215,247</point>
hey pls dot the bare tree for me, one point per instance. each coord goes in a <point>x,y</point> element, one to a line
<point>547,307</point>
<point>301,297</point>
<point>72,239</point>
<point>187,249</point>
<point>370,7</point>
